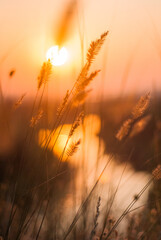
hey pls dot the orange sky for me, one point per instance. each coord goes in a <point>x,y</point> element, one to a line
<point>27,31</point>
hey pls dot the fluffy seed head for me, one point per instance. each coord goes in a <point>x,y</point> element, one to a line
<point>19,101</point>
<point>73,148</point>
<point>124,130</point>
<point>44,73</point>
<point>34,120</point>
<point>63,104</point>
<point>76,124</point>
<point>141,106</point>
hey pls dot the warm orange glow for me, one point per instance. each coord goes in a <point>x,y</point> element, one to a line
<point>58,142</point>
<point>57,56</point>
<point>92,124</point>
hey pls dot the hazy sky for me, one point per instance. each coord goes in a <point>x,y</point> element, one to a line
<point>130,60</point>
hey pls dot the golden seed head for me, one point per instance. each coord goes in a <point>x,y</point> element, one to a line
<point>34,120</point>
<point>19,101</point>
<point>124,130</point>
<point>141,106</point>
<point>44,73</point>
<point>73,148</point>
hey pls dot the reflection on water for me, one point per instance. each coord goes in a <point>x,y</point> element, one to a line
<point>118,179</point>
<point>57,140</point>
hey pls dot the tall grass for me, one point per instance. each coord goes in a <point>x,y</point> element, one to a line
<point>37,187</point>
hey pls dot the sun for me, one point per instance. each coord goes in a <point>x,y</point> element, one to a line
<point>57,56</point>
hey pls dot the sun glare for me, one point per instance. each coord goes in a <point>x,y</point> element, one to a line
<point>57,56</point>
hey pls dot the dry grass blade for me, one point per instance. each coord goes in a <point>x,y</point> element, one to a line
<point>73,148</point>
<point>44,73</point>
<point>93,232</point>
<point>84,203</point>
<point>124,130</point>
<point>141,106</point>
<point>34,120</point>
<point>126,211</point>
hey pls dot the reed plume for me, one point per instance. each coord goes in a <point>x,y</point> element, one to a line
<point>62,106</point>
<point>141,106</point>
<point>83,80</point>
<point>93,232</point>
<point>95,47</point>
<point>80,97</point>
<point>44,74</point>
<point>136,115</point>
<point>65,26</point>
<point>73,148</point>
<point>34,120</point>
<point>124,130</point>
<point>76,124</point>
<point>19,101</point>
